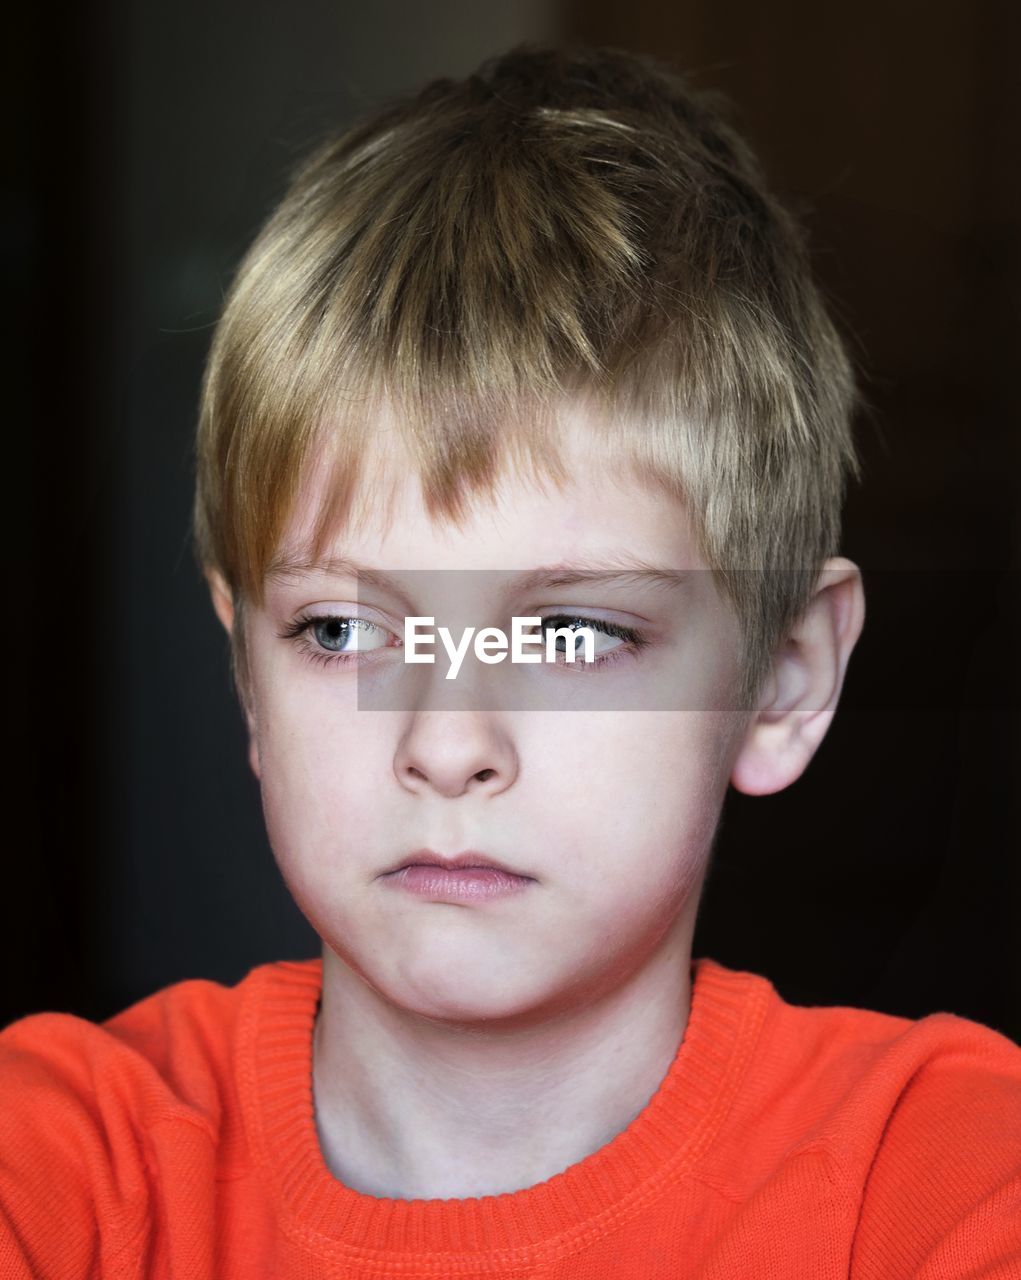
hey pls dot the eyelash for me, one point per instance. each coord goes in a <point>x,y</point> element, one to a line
<point>634,640</point>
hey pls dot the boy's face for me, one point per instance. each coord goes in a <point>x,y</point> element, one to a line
<point>611,812</point>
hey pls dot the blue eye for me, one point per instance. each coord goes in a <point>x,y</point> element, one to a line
<point>333,633</point>
<point>334,637</point>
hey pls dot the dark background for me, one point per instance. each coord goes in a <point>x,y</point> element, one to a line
<point>146,144</point>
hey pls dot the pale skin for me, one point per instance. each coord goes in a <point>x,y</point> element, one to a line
<point>476,1049</point>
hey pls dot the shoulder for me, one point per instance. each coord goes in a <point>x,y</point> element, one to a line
<point>920,1123</point>
<point>879,1066</point>
<point>943,1189</point>
<point>894,1060</point>
<point>857,1084</point>
<point>162,1037</point>
<point>837,1052</point>
<point>174,1051</point>
<point>105,1113</point>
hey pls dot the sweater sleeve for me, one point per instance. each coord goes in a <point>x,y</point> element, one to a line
<point>942,1200</point>
<point>73,1188</point>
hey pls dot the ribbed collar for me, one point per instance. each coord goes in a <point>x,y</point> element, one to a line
<point>588,1199</point>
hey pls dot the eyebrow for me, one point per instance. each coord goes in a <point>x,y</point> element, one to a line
<point>620,568</point>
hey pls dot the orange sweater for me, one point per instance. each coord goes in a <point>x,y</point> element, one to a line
<point>177,1140</point>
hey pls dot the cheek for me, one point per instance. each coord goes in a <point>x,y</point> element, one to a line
<point>325,823</point>
<point>636,796</point>
<point>645,764</point>
<point>319,778</point>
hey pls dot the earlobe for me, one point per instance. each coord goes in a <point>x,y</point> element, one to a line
<point>773,756</point>
<point>802,693</point>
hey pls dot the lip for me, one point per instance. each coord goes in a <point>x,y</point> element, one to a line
<point>469,858</point>
<point>469,886</point>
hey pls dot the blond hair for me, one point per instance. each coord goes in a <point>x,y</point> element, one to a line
<point>560,224</point>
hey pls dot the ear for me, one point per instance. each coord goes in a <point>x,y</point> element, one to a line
<point>803,689</point>
<point>223,605</point>
<point>253,749</point>
<point>223,600</point>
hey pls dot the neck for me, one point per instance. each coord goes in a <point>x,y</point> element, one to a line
<point>409,1107</point>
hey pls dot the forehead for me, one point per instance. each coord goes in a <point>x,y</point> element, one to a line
<point>602,513</point>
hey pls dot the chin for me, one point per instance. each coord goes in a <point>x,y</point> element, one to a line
<point>481,1004</point>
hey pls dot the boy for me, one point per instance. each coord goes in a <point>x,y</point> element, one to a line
<point>536,346</point>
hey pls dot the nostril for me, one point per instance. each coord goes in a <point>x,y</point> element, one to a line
<point>484,774</point>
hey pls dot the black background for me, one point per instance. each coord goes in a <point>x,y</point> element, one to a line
<point>146,144</point>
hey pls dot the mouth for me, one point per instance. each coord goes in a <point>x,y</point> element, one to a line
<point>470,859</point>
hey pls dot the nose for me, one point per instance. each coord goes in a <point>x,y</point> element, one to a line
<point>452,752</point>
